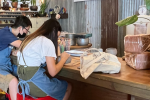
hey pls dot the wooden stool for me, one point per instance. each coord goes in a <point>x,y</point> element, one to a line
<point>20,97</point>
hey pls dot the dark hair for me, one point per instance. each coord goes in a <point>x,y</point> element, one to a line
<point>52,26</point>
<point>49,29</point>
<point>22,21</point>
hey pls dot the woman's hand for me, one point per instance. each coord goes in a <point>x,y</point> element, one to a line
<point>54,68</point>
<point>65,56</point>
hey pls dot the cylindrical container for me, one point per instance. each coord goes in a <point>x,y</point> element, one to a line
<point>111,51</point>
<point>82,41</point>
<point>100,50</point>
<point>68,44</point>
<point>72,37</point>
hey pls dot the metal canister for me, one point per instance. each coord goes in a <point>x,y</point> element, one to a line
<point>72,37</point>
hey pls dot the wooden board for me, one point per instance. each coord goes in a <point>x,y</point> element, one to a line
<point>109,16</point>
<point>74,61</point>
<point>128,81</point>
<point>83,91</point>
<point>80,47</point>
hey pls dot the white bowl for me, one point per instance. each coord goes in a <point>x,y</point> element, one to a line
<point>111,51</point>
<point>100,50</point>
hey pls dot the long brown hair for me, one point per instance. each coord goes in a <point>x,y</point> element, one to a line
<point>49,29</point>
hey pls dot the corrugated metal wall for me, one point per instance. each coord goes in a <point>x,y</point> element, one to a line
<point>83,17</point>
<point>76,15</point>
<point>86,17</point>
<point>93,21</point>
<point>126,8</point>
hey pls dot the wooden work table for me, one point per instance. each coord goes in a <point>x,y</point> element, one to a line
<point>130,84</point>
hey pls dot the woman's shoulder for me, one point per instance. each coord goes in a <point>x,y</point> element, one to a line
<point>43,39</point>
<point>40,41</point>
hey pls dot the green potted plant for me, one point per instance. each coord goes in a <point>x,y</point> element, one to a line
<point>14,3</point>
<point>134,18</point>
<point>43,6</point>
<point>33,7</point>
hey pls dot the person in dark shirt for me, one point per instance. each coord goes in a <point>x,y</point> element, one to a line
<point>8,40</point>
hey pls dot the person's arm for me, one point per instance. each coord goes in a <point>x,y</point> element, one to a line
<point>53,68</point>
<point>16,43</point>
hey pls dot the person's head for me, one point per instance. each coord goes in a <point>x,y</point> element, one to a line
<point>21,26</point>
<point>50,29</point>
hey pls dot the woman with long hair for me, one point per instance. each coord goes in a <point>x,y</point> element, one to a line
<point>36,51</point>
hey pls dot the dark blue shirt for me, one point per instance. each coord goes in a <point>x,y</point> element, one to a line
<point>6,37</point>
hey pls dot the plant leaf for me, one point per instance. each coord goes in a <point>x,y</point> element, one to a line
<point>31,2</point>
<point>44,6</point>
<point>147,4</point>
<point>127,21</point>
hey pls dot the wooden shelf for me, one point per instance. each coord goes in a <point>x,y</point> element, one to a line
<point>80,47</point>
<point>18,11</point>
<point>4,18</point>
<point>3,25</point>
<point>62,16</point>
<point>11,14</point>
<point>7,17</point>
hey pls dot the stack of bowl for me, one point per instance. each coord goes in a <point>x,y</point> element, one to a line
<point>72,37</point>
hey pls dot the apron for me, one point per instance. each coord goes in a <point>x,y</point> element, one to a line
<point>51,86</point>
<point>6,67</point>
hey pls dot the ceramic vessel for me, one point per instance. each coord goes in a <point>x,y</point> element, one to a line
<point>82,41</point>
<point>33,8</point>
<point>42,14</point>
<point>111,51</point>
<point>67,61</point>
<point>24,9</point>
<point>5,8</point>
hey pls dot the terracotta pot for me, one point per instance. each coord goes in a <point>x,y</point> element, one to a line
<point>33,8</point>
<point>14,4</point>
<point>24,9</point>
